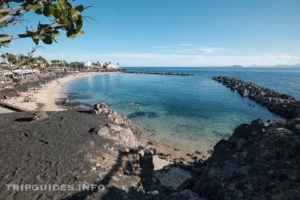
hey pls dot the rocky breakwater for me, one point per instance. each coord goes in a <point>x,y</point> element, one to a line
<point>160,73</point>
<point>259,161</point>
<point>281,104</point>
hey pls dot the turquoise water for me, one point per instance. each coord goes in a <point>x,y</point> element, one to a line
<point>192,112</point>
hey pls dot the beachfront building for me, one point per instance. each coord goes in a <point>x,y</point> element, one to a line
<point>109,65</point>
<point>19,72</point>
<point>88,65</point>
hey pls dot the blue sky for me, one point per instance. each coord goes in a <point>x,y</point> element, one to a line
<point>179,33</point>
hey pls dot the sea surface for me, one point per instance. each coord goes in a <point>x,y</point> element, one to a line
<point>189,112</point>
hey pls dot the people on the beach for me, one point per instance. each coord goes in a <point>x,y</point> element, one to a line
<point>28,99</point>
<point>91,93</point>
<point>132,104</point>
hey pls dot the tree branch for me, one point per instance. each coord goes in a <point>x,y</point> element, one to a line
<point>4,10</point>
<point>30,54</point>
<point>25,35</point>
<point>8,16</point>
<point>9,38</point>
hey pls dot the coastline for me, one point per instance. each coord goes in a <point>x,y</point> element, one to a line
<point>45,98</point>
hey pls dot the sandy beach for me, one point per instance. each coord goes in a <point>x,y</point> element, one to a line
<point>44,98</point>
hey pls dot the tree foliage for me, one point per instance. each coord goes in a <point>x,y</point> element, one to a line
<point>16,60</point>
<point>63,15</point>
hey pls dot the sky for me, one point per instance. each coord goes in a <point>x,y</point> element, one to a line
<point>191,33</point>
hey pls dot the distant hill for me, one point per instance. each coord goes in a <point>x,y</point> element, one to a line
<point>279,66</point>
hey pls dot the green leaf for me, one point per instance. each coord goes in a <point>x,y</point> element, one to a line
<point>4,43</point>
<point>80,33</point>
<point>80,8</point>
<point>79,24</point>
<point>36,41</point>
<point>43,26</point>
<point>71,34</point>
<point>39,11</point>
<point>29,33</point>
<point>55,33</point>
<point>36,6</point>
<point>56,23</point>
<point>56,13</point>
<point>75,13</point>
<point>47,39</point>
<point>59,4</point>
<point>48,11</point>
<point>42,36</point>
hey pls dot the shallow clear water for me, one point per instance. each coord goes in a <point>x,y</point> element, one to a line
<point>192,112</point>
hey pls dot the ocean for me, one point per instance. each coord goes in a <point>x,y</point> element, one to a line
<point>189,112</point>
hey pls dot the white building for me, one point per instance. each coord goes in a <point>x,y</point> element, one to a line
<point>19,72</point>
<point>88,64</point>
<point>111,66</point>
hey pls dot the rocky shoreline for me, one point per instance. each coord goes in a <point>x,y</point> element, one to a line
<point>281,104</point>
<point>260,160</point>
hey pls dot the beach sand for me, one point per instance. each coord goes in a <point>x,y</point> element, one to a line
<point>45,98</point>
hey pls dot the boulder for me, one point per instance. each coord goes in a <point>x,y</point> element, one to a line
<point>121,134</point>
<point>245,93</point>
<point>159,163</point>
<point>39,115</point>
<point>259,161</point>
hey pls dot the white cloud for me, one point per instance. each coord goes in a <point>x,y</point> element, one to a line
<point>185,45</point>
<point>206,50</point>
<point>153,59</point>
<point>210,50</point>
<point>286,57</point>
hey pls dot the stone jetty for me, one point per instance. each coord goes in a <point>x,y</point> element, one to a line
<point>281,104</point>
<point>160,73</point>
